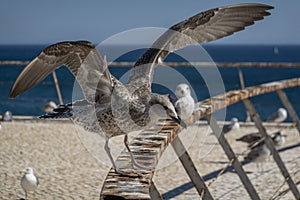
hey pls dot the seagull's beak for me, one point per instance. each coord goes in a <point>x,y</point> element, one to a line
<point>179,121</point>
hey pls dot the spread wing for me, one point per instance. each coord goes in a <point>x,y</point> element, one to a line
<point>201,28</point>
<point>81,58</point>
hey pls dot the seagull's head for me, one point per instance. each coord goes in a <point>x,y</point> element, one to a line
<point>182,90</point>
<point>234,120</point>
<point>164,102</point>
<point>279,134</point>
<point>27,170</point>
<point>282,111</point>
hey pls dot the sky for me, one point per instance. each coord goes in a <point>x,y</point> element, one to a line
<point>51,21</point>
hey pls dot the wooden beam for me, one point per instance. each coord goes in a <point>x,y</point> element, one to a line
<point>287,104</point>
<point>231,157</point>
<point>191,170</point>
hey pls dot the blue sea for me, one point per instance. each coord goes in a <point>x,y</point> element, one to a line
<point>32,101</point>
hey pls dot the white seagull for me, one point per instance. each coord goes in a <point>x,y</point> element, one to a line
<point>29,181</point>
<point>234,125</point>
<point>113,108</point>
<point>185,103</point>
<point>279,116</point>
<point>49,106</point>
<point>7,116</point>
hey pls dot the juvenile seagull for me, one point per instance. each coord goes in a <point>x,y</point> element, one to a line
<point>234,125</point>
<point>258,154</point>
<point>113,108</point>
<point>278,138</point>
<point>29,181</point>
<point>279,116</point>
<point>185,103</point>
<point>250,138</point>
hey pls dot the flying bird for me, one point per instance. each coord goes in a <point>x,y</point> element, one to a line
<point>29,181</point>
<point>113,108</point>
<point>279,116</point>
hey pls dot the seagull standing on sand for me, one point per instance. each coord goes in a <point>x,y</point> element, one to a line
<point>29,181</point>
<point>49,106</point>
<point>278,116</point>
<point>259,154</point>
<point>278,138</point>
<point>185,103</point>
<point>234,125</point>
<point>113,108</point>
<point>7,116</point>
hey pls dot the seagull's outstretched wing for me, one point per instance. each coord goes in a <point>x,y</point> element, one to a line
<point>201,28</point>
<point>81,58</point>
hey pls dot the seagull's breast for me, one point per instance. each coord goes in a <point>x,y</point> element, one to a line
<point>29,182</point>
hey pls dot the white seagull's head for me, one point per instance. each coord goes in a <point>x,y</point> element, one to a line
<point>27,170</point>
<point>282,112</point>
<point>234,120</point>
<point>182,90</point>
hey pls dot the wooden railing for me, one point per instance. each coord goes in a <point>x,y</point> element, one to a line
<point>150,144</point>
<point>187,64</point>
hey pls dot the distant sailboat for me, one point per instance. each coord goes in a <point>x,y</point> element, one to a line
<point>276,50</point>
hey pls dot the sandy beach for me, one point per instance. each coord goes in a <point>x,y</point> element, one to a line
<point>67,170</point>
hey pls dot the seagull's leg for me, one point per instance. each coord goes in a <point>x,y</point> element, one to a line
<point>26,195</point>
<point>134,163</point>
<point>107,149</point>
<point>117,170</point>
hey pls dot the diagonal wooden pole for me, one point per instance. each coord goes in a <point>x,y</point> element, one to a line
<point>191,170</point>
<point>258,123</point>
<point>232,157</point>
<point>57,88</point>
<point>287,104</point>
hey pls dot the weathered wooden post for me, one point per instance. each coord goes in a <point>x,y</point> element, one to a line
<point>251,109</point>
